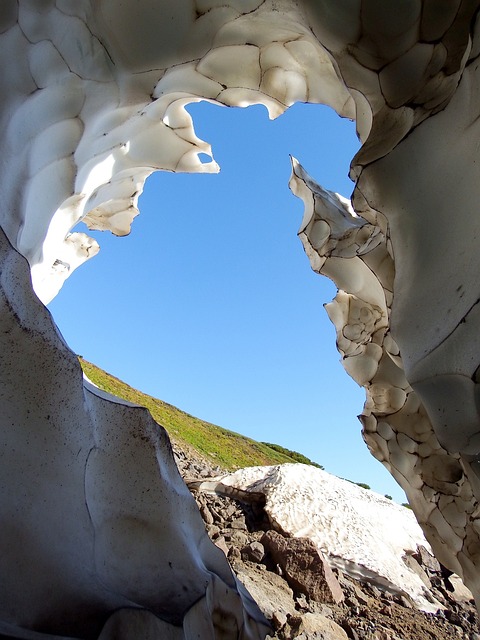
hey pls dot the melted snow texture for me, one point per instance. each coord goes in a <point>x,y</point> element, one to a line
<point>362,533</point>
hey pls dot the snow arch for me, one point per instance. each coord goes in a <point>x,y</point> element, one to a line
<point>94,97</point>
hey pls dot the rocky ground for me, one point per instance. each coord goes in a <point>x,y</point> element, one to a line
<point>303,598</point>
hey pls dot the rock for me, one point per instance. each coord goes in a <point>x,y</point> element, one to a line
<point>217,517</point>
<point>304,567</point>
<point>314,626</point>
<point>234,554</point>
<point>413,564</point>
<point>229,510</point>
<point>236,537</point>
<point>279,619</point>
<point>373,590</point>
<point>212,530</point>
<point>426,559</point>
<point>301,603</point>
<point>206,515</point>
<point>350,631</point>
<point>254,552</point>
<point>271,592</point>
<point>404,601</point>
<point>360,596</point>
<point>453,617</point>
<point>239,523</point>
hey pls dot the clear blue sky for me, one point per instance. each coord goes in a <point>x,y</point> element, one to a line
<point>210,304</point>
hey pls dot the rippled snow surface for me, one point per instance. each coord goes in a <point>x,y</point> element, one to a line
<point>360,531</point>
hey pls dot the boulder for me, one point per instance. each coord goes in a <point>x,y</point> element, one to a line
<point>304,567</point>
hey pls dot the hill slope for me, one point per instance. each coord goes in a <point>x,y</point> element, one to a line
<point>218,446</point>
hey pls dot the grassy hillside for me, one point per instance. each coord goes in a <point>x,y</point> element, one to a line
<point>219,446</point>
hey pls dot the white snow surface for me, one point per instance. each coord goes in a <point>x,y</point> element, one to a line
<point>361,532</point>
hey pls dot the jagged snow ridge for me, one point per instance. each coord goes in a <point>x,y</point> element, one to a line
<point>94,126</point>
<point>360,531</point>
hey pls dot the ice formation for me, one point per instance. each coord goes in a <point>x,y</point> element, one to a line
<point>93,97</point>
<point>95,517</point>
<point>362,533</point>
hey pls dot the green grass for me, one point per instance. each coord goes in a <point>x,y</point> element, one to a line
<point>218,446</point>
<point>296,457</point>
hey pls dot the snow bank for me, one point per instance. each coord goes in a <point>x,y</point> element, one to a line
<point>361,532</point>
